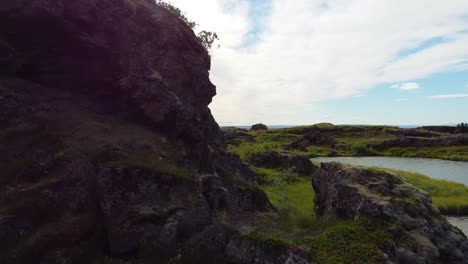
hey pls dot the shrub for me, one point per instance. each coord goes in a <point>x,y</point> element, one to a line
<point>362,150</point>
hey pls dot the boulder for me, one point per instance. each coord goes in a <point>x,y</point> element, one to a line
<point>357,193</point>
<point>258,127</point>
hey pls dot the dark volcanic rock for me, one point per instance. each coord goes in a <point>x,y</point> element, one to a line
<point>259,126</point>
<point>441,129</point>
<point>105,130</point>
<point>453,140</point>
<point>235,136</point>
<point>231,166</point>
<point>117,57</point>
<point>312,137</point>
<point>274,160</point>
<point>235,198</point>
<point>411,132</point>
<point>246,251</point>
<point>353,193</point>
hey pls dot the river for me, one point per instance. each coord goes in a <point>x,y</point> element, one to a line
<point>438,169</point>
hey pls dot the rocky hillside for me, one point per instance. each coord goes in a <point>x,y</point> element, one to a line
<point>108,150</point>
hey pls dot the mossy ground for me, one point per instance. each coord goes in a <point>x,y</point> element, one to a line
<point>361,241</point>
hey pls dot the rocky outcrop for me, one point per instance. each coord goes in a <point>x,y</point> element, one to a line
<point>442,129</point>
<point>411,132</point>
<point>106,135</point>
<point>114,57</point>
<point>455,140</point>
<point>236,136</point>
<point>356,193</point>
<point>312,137</point>
<point>275,160</point>
<point>258,127</point>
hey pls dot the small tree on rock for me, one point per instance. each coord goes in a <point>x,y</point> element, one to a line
<point>206,38</point>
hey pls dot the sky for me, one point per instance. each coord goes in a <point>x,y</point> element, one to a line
<point>299,62</point>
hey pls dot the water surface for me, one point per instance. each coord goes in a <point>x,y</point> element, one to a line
<point>460,222</point>
<point>455,171</point>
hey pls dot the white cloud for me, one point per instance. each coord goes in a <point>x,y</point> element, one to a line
<point>466,86</point>
<point>307,53</point>
<point>406,86</point>
<point>359,95</point>
<point>449,96</point>
<point>401,99</point>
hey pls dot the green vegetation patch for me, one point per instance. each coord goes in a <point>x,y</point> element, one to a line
<point>450,198</point>
<point>456,153</point>
<point>291,194</point>
<point>264,141</point>
<point>350,141</point>
<point>361,241</point>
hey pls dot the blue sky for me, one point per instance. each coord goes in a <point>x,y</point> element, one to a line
<point>307,61</point>
<point>385,105</point>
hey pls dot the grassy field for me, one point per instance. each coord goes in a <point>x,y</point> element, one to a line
<point>349,141</point>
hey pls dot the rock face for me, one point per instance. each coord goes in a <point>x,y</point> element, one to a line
<point>274,160</point>
<point>258,127</point>
<point>119,57</point>
<point>353,193</point>
<point>108,150</point>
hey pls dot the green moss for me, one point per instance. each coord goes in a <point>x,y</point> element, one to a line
<point>362,241</point>
<point>294,200</point>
